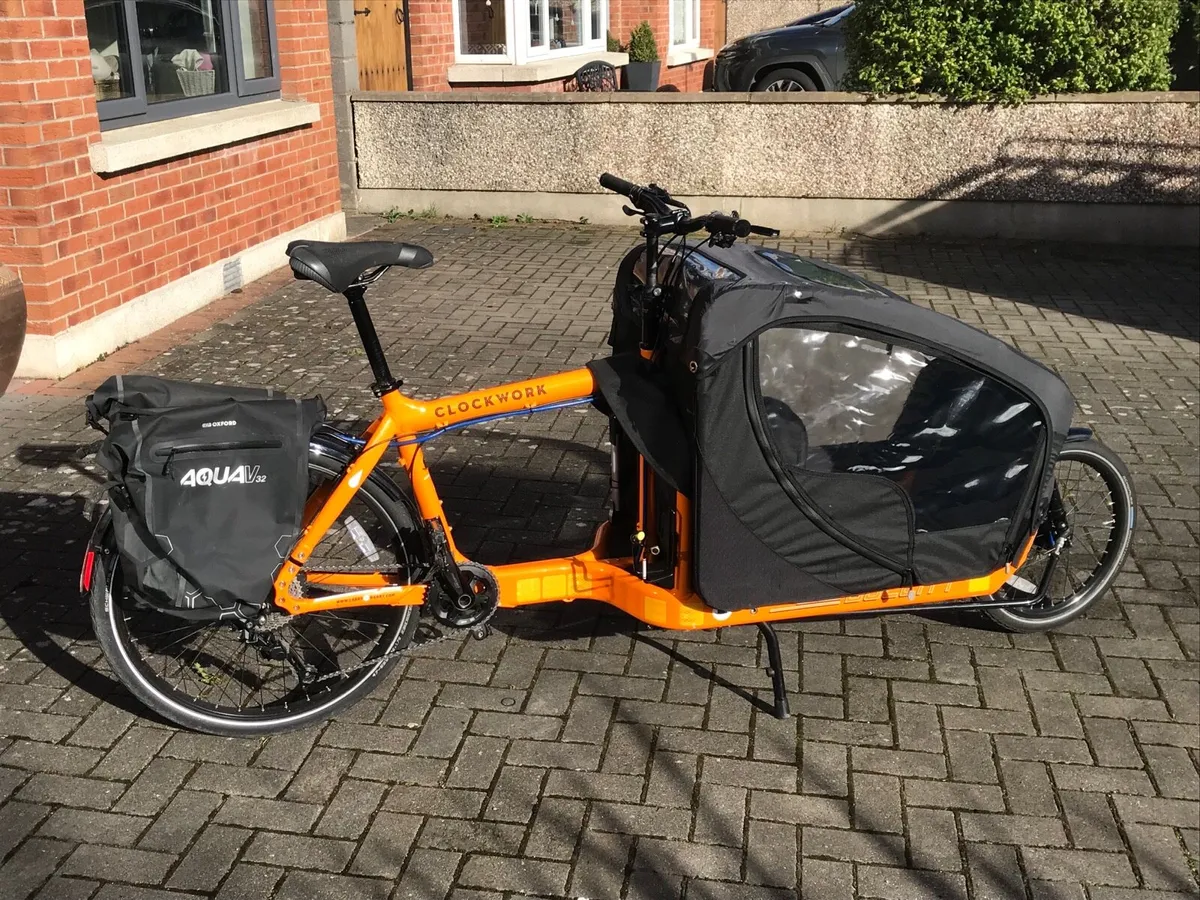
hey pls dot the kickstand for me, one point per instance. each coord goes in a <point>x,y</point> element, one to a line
<point>775,670</point>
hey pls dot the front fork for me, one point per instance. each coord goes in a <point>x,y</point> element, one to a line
<point>1053,537</point>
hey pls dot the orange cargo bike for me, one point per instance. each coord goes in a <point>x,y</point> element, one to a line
<point>788,441</point>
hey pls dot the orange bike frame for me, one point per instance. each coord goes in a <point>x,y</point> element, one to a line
<point>582,576</point>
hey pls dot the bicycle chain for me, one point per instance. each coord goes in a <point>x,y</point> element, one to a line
<point>364,570</point>
<point>275,621</point>
<point>272,622</point>
<point>414,645</point>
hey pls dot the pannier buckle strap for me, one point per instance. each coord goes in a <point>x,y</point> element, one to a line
<point>92,421</point>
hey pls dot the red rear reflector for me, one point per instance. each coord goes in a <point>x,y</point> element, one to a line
<point>85,577</point>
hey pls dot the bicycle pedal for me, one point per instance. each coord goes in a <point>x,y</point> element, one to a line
<point>479,632</point>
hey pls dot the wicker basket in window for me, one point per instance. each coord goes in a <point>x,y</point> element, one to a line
<point>196,83</point>
<point>109,89</point>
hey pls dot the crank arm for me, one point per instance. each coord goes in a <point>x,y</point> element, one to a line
<point>446,570</point>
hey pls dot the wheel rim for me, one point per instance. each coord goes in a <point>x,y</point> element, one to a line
<point>785,84</point>
<point>1085,556</point>
<point>209,669</point>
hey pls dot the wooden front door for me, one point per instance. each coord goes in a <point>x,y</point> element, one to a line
<point>381,33</point>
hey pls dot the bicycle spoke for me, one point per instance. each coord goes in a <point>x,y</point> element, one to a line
<point>1090,514</point>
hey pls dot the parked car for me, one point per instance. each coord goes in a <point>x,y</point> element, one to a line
<point>806,55</point>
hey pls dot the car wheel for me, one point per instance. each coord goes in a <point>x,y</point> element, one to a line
<point>786,80</point>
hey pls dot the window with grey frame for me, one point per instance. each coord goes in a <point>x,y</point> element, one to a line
<point>161,59</point>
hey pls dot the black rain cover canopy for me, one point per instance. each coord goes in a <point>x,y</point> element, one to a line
<point>842,439</point>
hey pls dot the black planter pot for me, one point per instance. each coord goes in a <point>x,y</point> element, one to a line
<point>642,76</point>
<point>12,324</point>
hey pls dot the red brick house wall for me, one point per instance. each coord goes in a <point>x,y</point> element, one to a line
<point>431,36</point>
<point>83,243</point>
<point>431,43</point>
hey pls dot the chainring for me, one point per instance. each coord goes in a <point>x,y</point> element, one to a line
<point>474,606</point>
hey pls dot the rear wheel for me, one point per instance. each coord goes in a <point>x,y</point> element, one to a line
<point>786,80</point>
<point>222,678</point>
<point>1080,547</point>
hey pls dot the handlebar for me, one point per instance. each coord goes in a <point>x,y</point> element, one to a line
<point>650,200</point>
<point>617,185</point>
<point>671,216</point>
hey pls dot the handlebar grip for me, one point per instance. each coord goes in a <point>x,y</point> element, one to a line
<point>720,223</point>
<point>617,185</point>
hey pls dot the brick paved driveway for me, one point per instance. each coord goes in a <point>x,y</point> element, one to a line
<point>575,755</point>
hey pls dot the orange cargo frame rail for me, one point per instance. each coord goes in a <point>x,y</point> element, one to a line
<point>582,576</point>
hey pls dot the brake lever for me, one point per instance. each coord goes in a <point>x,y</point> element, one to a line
<point>665,201</point>
<point>630,211</point>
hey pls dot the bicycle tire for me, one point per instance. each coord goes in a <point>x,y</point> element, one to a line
<point>1053,612</point>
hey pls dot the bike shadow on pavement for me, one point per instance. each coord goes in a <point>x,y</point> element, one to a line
<point>503,511</point>
<point>516,498</point>
<point>489,494</point>
<point>46,635</point>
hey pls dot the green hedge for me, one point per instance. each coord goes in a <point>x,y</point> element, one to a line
<point>1009,50</point>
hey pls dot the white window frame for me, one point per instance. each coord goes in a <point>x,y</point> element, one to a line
<point>691,24</point>
<point>517,34</point>
<point>492,58</point>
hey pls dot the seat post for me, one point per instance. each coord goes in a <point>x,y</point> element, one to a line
<point>384,382</point>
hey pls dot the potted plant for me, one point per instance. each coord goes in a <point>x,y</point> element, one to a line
<point>641,72</point>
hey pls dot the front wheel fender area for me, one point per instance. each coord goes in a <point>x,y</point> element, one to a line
<point>1077,435</point>
<point>808,64</point>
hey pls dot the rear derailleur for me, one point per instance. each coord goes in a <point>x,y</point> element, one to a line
<point>273,645</point>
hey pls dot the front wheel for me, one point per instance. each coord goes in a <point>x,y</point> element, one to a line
<point>221,678</point>
<point>786,80</point>
<point>1080,547</point>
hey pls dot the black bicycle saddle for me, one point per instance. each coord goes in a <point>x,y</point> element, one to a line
<point>337,266</point>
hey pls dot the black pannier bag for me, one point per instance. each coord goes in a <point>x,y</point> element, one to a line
<point>208,487</point>
<point>845,440</point>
